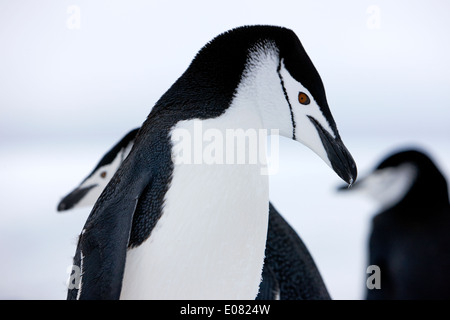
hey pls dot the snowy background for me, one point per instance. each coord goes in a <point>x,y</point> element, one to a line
<point>76,75</point>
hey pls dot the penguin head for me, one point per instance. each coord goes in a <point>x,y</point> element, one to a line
<point>268,68</point>
<point>311,123</point>
<point>408,177</point>
<point>92,186</point>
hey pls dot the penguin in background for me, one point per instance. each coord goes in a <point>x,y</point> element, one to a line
<point>165,229</point>
<point>410,235</point>
<point>289,271</point>
<point>90,188</point>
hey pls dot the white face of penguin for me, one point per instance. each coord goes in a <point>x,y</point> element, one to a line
<point>303,107</point>
<point>287,105</point>
<point>87,193</point>
<point>96,183</point>
<point>389,185</point>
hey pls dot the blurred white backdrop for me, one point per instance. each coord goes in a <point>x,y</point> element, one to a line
<point>76,75</point>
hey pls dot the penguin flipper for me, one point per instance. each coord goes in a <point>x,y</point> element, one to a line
<point>102,245</point>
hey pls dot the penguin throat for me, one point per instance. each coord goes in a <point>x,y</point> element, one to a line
<point>263,83</point>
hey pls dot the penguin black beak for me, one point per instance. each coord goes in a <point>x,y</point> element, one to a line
<point>73,198</point>
<point>340,158</point>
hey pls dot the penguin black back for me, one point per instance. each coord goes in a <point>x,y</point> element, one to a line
<point>289,266</point>
<point>429,187</point>
<point>410,238</point>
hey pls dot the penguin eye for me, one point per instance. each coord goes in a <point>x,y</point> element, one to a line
<point>103,174</point>
<point>303,98</point>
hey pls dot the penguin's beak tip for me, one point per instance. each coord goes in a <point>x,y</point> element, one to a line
<point>347,187</point>
<point>73,198</point>
<point>61,206</point>
<point>350,183</point>
<point>340,159</point>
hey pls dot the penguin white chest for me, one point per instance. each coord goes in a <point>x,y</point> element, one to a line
<point>209,242</point>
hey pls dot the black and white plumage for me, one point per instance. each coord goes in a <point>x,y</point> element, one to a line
<point>168,230</point>
<point>289,271</point>
<point>410,238</point>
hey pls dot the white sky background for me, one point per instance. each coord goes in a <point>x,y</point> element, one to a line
<point>68,93</point>
<point>57,81</point>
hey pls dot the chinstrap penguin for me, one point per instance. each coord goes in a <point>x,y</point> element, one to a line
<point>165,229</point>
<point>410,238</point>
